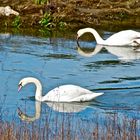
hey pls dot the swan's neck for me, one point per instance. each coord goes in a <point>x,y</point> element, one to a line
<point>98,38</point>
<point>38,94</point>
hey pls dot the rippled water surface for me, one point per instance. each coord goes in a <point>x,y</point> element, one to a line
<point>55,61</point>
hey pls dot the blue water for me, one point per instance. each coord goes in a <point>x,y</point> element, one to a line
<point>56,61</point>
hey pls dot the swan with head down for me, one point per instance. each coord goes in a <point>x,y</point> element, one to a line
<point>126,37</point>
<point>63,93</point>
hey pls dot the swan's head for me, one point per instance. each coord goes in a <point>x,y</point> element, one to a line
<point>25,81</point>
<point>22,83</point>
<point>80,33</point>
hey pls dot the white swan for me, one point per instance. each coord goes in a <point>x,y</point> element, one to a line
<point>64,93</point>
<point>126,37</point>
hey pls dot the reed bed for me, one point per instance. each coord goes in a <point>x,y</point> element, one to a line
<point>70,128</point>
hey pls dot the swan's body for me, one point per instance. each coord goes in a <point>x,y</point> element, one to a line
<point>64,93</point>
<point>126,37</point>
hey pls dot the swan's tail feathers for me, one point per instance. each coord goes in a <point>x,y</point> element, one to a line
<point>94,95</point>
<point>136,42</point>
<point>99,94</point>
<point>86,97</point>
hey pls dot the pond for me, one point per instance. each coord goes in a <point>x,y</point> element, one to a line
<point>56,60</point>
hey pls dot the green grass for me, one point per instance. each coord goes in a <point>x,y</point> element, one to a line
<point>49,22</point>
<point>41,1</point>
<point>16,22</point>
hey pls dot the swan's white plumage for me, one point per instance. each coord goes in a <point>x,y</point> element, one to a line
<point>64,93</point>
<point>126,37</point>
<point>69,93</point>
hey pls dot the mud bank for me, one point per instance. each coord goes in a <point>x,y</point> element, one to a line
<point>102,13</point>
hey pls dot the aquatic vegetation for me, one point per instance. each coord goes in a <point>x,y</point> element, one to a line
<point>66,129</point>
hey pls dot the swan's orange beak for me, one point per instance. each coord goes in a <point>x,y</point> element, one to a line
<point>19,87</point>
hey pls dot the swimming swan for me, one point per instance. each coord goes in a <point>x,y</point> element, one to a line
<point>64,93</point>
<point>126,37</point>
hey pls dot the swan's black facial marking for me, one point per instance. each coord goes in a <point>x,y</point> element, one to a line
<point>20,85</point>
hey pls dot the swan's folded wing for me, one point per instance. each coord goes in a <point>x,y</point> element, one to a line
<point>123,38</point>
<point>86,97</point>
<point>67,93</point>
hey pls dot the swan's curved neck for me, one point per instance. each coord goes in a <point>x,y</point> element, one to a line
<point>38,94</point>
<point>98,38</point>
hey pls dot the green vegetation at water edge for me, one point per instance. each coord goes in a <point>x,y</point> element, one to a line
<point>41,1</point>
<point>48,21</point>
<point>16,22</point>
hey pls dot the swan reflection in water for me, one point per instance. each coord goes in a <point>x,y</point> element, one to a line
<point>126,53</point>
<point>27,118</point>
<point>55,106</point>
